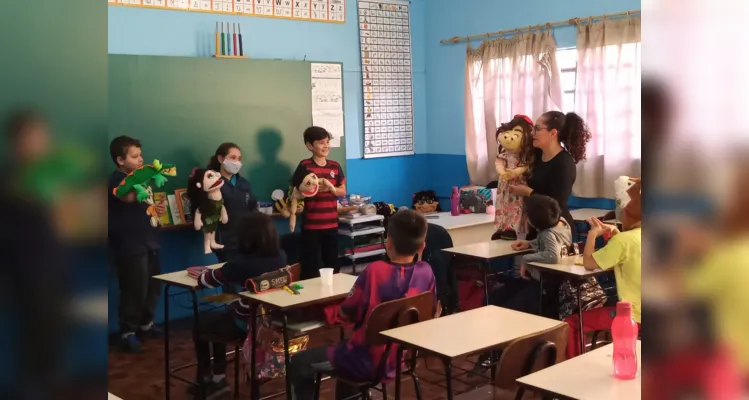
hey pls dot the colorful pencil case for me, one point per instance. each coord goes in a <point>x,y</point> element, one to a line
<point>269,281</point>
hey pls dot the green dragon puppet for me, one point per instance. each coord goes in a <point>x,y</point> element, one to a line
<point>141,178</point>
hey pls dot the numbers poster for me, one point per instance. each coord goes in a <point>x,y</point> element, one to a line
<point>333,11</point>
<point>385,40</point>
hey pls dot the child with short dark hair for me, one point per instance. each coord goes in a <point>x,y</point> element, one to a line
<point>259,252</point>
<point>320,222</point>
<point>380,281</point>
<point>554,233</point>
<point>134,245</point>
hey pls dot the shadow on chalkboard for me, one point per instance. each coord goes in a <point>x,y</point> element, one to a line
<point>269,173</point>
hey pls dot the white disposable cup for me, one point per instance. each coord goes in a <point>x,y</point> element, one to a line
<point>326,275</point>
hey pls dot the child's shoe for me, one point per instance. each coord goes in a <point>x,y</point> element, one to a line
<point>130,344</point>
<point>150,332</point>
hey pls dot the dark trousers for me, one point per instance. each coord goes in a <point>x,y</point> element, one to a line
<point>216,329</point>
<point>304,366</point>
<point>318,244</point>
<point>139,294</point>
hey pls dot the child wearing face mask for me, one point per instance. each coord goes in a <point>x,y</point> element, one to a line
<point>239,199</point>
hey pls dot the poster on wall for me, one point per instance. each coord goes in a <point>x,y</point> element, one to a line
<point>327,99</point>
<point>385,42</point>
<point>333,11</point>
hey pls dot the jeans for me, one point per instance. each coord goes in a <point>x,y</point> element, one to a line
<point>215,330</point>
<point>304,366</point>
<point>139,294</point>
<point>316,243</point>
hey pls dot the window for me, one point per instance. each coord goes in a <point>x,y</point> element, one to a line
<point>567,62</point>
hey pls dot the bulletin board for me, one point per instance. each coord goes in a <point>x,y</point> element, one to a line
<point>332,11</point>
<point>385,41</point>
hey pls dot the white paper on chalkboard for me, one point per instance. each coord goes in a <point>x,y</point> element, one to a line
<point>327,100</point>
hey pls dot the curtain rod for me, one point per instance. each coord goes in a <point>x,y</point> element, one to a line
<point>571,21</point>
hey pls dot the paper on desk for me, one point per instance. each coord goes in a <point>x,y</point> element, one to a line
<point>332,121</point>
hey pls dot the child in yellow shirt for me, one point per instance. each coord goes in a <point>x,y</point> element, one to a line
<point>622,252</point>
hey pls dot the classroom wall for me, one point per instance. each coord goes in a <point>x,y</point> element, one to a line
<point>446,64</point>
<point>178,33</point>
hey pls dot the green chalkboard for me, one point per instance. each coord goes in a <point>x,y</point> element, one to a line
<point>183,108</point>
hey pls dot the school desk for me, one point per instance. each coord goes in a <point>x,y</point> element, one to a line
<point>577,274</point>
<point>586,377</point>
<point>465,228</point>
<point>584,214</point>
<point>462,334</point>
<point>484,252</point>
<point>179,279</point>
<point>281,301</point>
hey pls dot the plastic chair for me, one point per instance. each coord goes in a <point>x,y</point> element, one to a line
<point>389,315</point>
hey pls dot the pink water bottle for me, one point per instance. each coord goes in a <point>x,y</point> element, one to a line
<point>624,334</point>
<point>455,202</point>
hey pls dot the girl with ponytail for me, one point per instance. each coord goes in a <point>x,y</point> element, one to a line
<point>559,140</point>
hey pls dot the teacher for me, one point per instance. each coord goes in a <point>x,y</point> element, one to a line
<point>237,194</point>
<point>559,140</point>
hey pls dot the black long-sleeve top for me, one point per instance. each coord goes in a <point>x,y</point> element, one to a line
<point>554,178</point>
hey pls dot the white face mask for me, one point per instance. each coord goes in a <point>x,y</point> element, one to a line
<point>231,166</point>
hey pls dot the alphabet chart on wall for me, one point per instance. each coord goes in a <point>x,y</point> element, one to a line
<point>333,11</point>
<point>385,41</point>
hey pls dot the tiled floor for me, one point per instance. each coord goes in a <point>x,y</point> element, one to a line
<point>141,376</point>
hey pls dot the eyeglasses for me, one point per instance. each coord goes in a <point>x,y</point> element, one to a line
<point>537,128</point>
<point>422,202</point>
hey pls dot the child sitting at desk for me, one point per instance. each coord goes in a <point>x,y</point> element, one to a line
<point>554,233</point>
<point>259,252</point>
<point>381,281</point>
<point>622,253</point>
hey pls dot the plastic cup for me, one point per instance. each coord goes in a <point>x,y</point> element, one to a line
<point>326,275</point>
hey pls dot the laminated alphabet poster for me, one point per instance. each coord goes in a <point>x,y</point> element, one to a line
<point>385,40</point>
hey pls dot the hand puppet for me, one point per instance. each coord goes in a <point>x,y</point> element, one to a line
<point>281,201</point>
<point>426,202</point>
<point>514,156</point>
<point>628,202</point>
<point>142,177</point>
<point>204,192</point>
<point>304,184</point>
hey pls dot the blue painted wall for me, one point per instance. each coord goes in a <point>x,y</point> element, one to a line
<point>446,68</point>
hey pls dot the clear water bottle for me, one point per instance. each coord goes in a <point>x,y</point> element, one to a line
<point>624,334</point>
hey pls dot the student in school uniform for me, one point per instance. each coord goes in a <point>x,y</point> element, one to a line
<point>258,251</point>
<point>320,222</point>
<point>239,199</point>
<point>134,245</point>
<point>381,281</point>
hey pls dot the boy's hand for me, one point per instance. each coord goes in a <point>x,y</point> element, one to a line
<point>161,208</point>
<point>596,228</point>
<point>327,186</point>
<point>520,245</point>
<point>524,272</point>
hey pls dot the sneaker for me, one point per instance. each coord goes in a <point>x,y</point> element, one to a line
<point>213,390</point>
<point>153,333</point>
<point>131,344</point>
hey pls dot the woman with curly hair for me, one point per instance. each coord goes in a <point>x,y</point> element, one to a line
<point>559,140</point>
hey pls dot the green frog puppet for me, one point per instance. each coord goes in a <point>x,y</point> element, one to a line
<point>204,192</point>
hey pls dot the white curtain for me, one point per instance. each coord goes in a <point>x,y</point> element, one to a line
<point>505,77</point>
<point>607,97</point>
